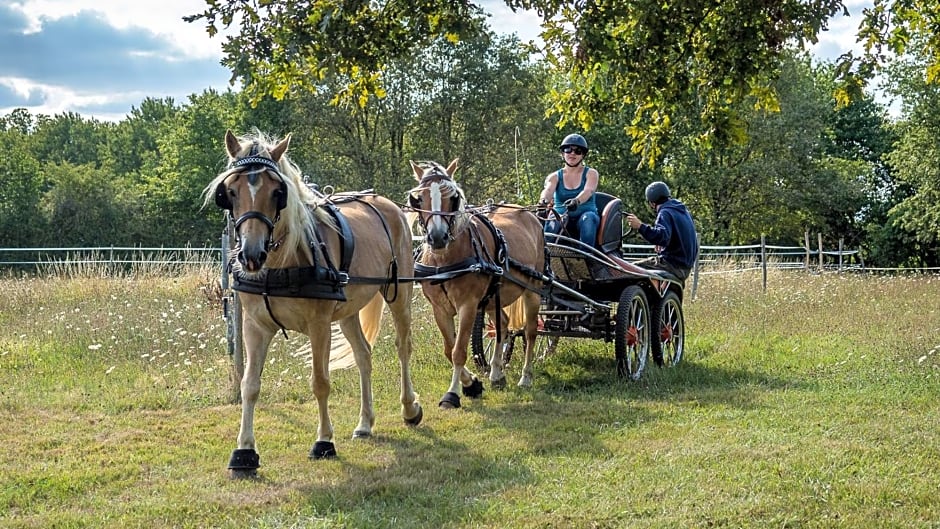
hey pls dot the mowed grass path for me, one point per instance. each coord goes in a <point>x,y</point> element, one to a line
<point>814,404</point>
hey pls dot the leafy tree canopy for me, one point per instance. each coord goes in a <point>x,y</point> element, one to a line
<point>644,57</point>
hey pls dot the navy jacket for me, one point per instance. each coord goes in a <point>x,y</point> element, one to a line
<point>674,234</point>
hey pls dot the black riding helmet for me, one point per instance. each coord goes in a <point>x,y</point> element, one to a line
<point>657,193</point>
<point>574,139</point>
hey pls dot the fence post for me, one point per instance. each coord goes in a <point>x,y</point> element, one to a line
<point>822,265</point>
<point>806,242</point>
<point>763,258</point>
<point>841,243</point>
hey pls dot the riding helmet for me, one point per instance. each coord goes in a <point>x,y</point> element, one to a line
<point>574,139</point>
<point>657,193</point>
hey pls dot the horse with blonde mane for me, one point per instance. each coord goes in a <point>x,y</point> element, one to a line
<point>294,270</point>
<point>476,259</point>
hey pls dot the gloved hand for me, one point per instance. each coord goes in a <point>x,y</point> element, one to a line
<point>571,204</point>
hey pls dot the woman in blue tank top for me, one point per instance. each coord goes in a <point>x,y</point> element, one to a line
<point>571,189</point>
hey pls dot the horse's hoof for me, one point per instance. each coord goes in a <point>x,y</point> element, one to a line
<point>360,434</point>
<point>474,390</point>
<point>416,420</point>
<point>244,463</point>
<point>525,382</point>
<point>450,401</point>
<point>322,450</point>
<point>499,383</point>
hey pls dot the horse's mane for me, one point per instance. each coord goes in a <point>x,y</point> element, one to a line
<point>301,214</point>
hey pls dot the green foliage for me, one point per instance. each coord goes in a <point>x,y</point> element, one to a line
<point>892,28</point>
<point>68,138</point>
<point>645,56</point>
<point>20,190</point>
<point>81,207</point>
<point>190,154</point>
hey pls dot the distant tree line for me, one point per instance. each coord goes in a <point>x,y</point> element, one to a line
<point>849,172</point>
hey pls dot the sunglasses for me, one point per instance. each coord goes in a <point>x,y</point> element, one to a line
<point>568,149</point>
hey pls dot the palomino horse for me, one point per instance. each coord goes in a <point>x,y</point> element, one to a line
<point>482,257</point>
<point>291,273</point>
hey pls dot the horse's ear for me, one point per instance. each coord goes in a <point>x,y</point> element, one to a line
<point>280,148</point>
<point>452,168</point>
<point>232,145</point>
<point>417,169</point>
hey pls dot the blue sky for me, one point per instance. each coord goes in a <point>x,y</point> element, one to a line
<point>100,58</point>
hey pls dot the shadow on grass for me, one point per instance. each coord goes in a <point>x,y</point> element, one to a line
<point>588,368</point>
<point>428,481</point>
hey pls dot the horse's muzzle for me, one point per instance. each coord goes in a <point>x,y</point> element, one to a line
<point>252,263</point>
<point>437,239</point>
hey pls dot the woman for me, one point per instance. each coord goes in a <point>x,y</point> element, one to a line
<point>571,189</point>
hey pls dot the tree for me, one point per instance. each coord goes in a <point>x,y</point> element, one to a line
<point>648,56</point>
<point>190,154</point>
<point>915,163</point>
<point>81,206</point>
<point>20,191</point>
<point>781,181</point>
<point>69,138</point>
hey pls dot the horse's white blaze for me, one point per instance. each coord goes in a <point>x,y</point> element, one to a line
<point>436,203</point>
<point>253,188</point>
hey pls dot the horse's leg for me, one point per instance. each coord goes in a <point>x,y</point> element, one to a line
<point>497,377</point>
<point>245,461</point>
<point>352,330</point>
<point>532,303</point>
<point>401,316</point>
<point>462,378</point>
<point>319,334</point>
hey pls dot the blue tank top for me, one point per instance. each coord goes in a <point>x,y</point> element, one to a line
<point>562,194</point>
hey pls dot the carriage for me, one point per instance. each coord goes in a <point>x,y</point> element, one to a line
<point>593,292</point>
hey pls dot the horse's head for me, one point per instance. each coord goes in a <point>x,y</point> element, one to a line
<point>254,191</point>
<point>438,201</point>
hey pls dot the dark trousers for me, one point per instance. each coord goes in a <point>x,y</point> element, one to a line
<point>658,263</point>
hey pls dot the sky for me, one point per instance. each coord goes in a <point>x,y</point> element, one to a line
<point>101,58</point>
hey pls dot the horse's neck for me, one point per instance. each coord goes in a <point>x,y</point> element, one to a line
<point>294,252</point>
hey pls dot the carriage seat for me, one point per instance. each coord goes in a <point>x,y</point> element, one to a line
<point>610,229</point>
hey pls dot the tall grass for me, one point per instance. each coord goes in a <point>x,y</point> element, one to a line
<point>813,404</point>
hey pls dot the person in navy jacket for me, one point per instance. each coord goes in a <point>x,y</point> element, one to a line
<point>673,233</point>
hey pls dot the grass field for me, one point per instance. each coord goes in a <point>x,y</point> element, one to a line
<point>814,404</point>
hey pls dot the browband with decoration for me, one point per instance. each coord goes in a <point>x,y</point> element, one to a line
<point>257,160</point>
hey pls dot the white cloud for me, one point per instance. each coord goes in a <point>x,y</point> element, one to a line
<point>161,17</point>
<point>101,57</point>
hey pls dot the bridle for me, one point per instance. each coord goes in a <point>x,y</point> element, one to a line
<point>261,163</point>
<point>435,176</point>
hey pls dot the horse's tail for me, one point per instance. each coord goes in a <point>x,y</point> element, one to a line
<point>516,312</point>
<point>370,318</point>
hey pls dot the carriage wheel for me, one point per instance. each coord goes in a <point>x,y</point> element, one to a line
<point>232,312</point>
<point>632,341</point>
<point>483,342</point>
<point>545,346</point>
<point>668,349</point>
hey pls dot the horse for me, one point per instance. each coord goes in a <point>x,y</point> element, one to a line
<point>290,239</point>
<point>480,258</point>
